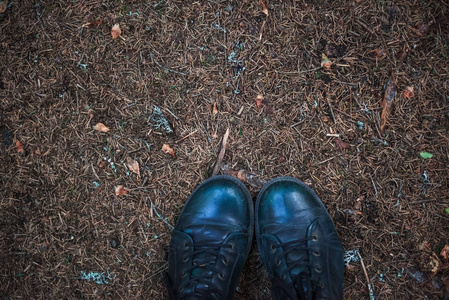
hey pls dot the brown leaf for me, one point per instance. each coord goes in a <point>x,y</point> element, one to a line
<point>341,144</point>
<point>215,110</point>
<point>101,127</point>
<point>387,103</point>
<point>3,6</point>
<point>378,53</point>
<point>120,190</point>
<point>116,31</point>
<point>408,92</point>
<point>330,50</point>
<point>20,149</point>
<point>445,252</point>
<point>264,7</point>
<point>259,100</point>
<point>167,149</point>
<point>325,62</point>
<point>133,166</point>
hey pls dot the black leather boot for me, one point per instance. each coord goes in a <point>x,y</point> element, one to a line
<point>211,241</point>
<point>298,242</point>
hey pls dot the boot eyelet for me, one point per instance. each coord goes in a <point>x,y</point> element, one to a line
<point>225,261</point>
<point>278,262</point>
<point>314,237</point>
<point>283,277</point>
<point>183,275</point>
<point>186,246</point>
<point>231,246</point>
<point>318,269</point>
<point>316,253</point>
<point>273,248</point>
<point>221,276</point>
<point>185,259</point>
<point>321,285</point>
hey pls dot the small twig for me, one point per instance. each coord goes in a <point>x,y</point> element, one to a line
<point>153,207</point>
<point>217,165</point>
<point>192,133</point>
<point>332,111</point>
<point>164,67</point>
<point>370,287</point>
<point>423,201</point>
<point>374,185</point>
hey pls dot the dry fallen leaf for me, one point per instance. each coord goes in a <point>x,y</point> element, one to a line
<point>387,103</point>
<point>408,92</point>
<point>20,149</point>
<point>341,144</point>
<point>445,252</point>
<point>116,31</point>
<point>259,100</point>
<point>325,62</point>
<point>133,166</point>
<point>101,127</point>
<point>3,6</point>
<point>120,190</point>
<point>264,7</point>
<point>215,110</point>
<point>378,53</point>
<point>167,149</point>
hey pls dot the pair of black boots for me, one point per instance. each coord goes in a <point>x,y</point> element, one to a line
<point>295,235</point>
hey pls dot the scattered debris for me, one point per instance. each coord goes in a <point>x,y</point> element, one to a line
<point>99,278</point>
<point>340,144</point>
<point>95,184</point>
<point>426,155</point>
<point>408,92</point>
<point>101,127</point>
<point>19,147</point>
<point>378,53</point>
<point>351,256</point>
<point>167,149</point>
<point>114,243</point>
<point>416,274</point>
<point>387,103</point>
<point>264,7</point>
<point>3,6</point>
<point>116,31</point>
<point>220,156</point>
<point>368,282</point>
<point>120,190</point>
<point>445,252</point>
<point>214,109</point>
<point>426,182</point>
<point>379,141</point>
<point>365,108</point>
<point>360,125</point>
<point>133,166</point>
<point>325,62</point>
<point>259,100</point>
<point>250,178</point>
<point>157,120</point>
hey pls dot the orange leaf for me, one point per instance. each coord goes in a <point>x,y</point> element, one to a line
<point>445,252</point>
<point>408,92</point>
<point>133,166</point>
<point>387,103</point>
<point>259,100</point>
<point>215,110</point>
<point>3,6</point>
<point>116,31</point>
<point>167,149</point>
<point>120,190</point>
<point>325,62</point>
<point>20,149</point>
<point>101,127</point>
<point>264,7</point>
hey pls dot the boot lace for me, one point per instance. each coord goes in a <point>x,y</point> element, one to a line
<point>303,283</point>
<point>204,287</point>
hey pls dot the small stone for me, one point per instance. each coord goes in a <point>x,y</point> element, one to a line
<point>114,243</point>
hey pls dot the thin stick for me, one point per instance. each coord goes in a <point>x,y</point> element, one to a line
<point>370,287</point>
<point>164,67</point>
<point>217,165</point>
<point>181,139</point>
<point>374,185</point>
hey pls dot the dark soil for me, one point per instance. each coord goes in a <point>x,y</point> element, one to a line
<point>59,76</point>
